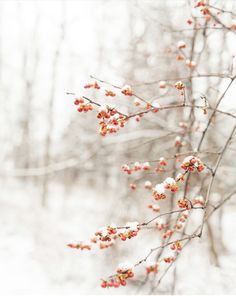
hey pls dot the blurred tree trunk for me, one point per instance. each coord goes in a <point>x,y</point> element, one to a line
<point>48,142</point>
<point>29,77</point>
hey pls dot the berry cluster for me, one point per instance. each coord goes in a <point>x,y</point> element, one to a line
<point>151,267</point>
<point>176,246</point>
<point>169,259</point>
<point>179,85</point>
<point>181,220</point>
<point>154,207</point>
<point>192,163</point>
<point>168,233</point>
<point>103,244</point>
<point>160,224</point>
<point>94,85</point>
<point>112,232</point>
<point>82,106</point>
<point>138,117</point>
<point>105,112</point>
<point>203,9</point>
<point>136,167</point>
<point>181,44</point>
<point>127,90</point>
<point>106,236</point>
<point>130,230</point>
<point>124,272</point>
<point>109,93</point>
<point>189,63</point>
<point>162,161</point>
<point>107,233</point>
<point>110,120</point>
<point>200,3</point>
<point>179,57</point>
<point>171,184</point>
<point>184,203</point>
<point>159,190</point>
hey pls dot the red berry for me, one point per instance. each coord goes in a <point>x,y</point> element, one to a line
<point>104,284</point>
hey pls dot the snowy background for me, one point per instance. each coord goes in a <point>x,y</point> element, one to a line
<point>60,181</point>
